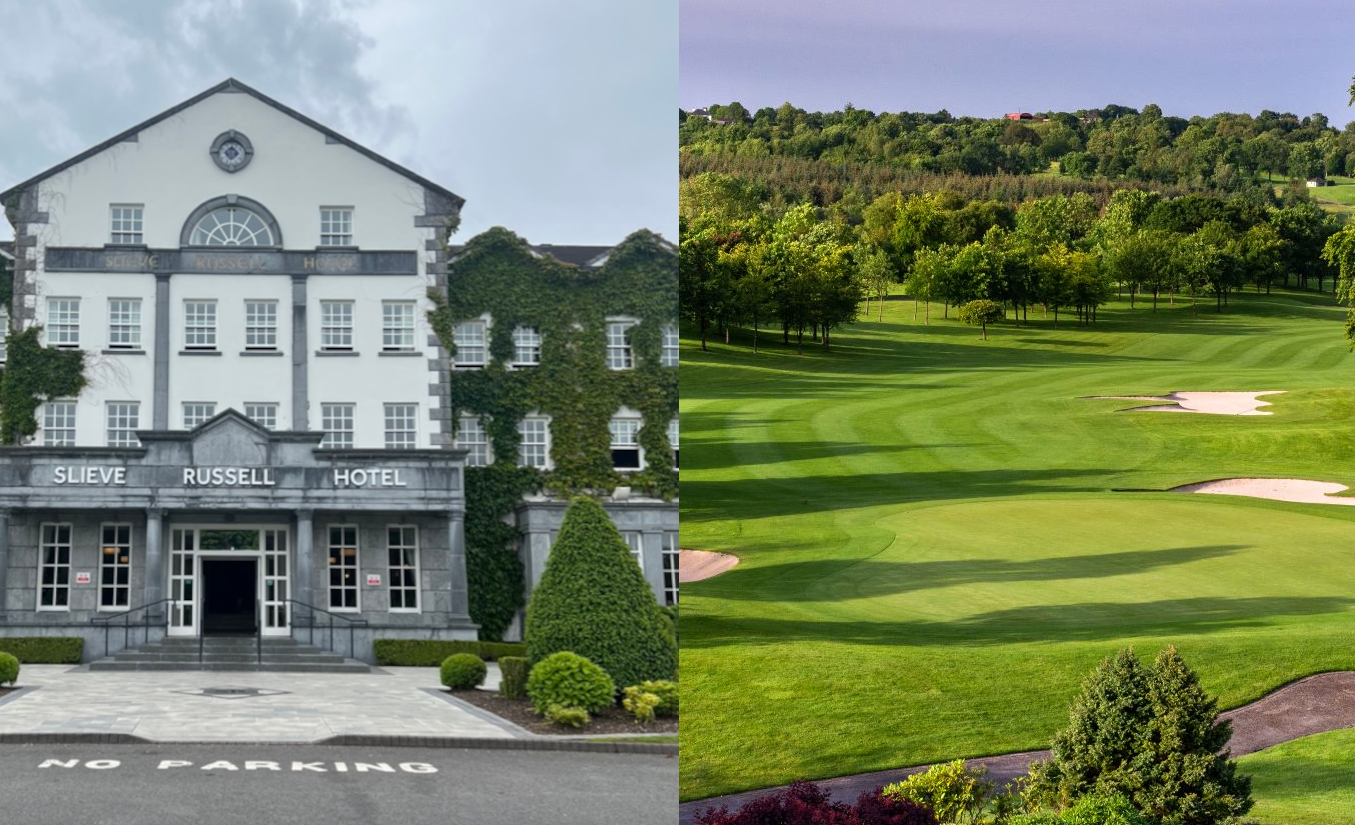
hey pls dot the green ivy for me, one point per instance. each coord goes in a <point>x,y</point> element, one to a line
<point>497,273</point>
<point>34,373</point>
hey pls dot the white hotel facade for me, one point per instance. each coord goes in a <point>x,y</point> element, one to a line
<point>265,432</point>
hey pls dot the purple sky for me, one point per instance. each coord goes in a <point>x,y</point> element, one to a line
<point>987,57</point>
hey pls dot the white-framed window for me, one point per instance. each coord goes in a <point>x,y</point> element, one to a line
<point>263,414</point>
<point>336,226</point>
<point>625,432</point>
<point>231,226</point>
<point>261,325</point>
<point>199,325</point>
<point>124,323</point>
<point>124,418</point>
<point>673,439</point>
<point>668,352</point>
<point>343,567</point>
<point>54,582</point>
<point>336,325</point>
<point>397,326</point>
<point>670,568</point>
<point>402,548</point>
<point>534,450</point>
<point>401,431</point>
<point>115,567</point>
<point>635,542</point>
<point>63,322</point>
<point>58,423</point>
<point>620,354</point>
<point>471,350</point>
<point>526,346</point>
<point>125,223</point>
<point>472,437</point>
<point>337,422</point>
<point>197,412</point>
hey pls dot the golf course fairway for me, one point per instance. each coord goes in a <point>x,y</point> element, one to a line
<point>940,537</point>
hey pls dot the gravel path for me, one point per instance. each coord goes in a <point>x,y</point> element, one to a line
<point>1311,705</point>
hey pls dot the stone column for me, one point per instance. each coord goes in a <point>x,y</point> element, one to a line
<point>4,563</point>
<point>155,556</point>
<point>160,401</point>
<point>300,356</point>
<point>456,566</point>
<point>301,567</point>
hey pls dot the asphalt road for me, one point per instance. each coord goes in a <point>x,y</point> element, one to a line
<point>305,785</point>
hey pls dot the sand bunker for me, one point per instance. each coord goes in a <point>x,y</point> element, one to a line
<point>695,565</point>
<point>1279,489</point>
<point>1212,403</point>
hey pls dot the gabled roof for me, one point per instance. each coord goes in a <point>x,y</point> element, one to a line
<point>230,84</point>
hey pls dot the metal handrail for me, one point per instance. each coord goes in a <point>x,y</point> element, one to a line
<point>353,624</point>
<point>125,616</point>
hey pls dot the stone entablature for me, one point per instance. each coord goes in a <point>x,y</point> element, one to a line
<point>118,260</point>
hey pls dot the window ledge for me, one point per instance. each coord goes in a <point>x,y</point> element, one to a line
<point>252,352</point>
<point>124,352</point>
<point>400,353</point>
<point>199,352</point>
<point>334,353</point>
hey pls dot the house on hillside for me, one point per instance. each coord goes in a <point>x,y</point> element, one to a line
<point>1319,181</point>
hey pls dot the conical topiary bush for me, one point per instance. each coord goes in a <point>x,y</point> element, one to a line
<point>594,601</point>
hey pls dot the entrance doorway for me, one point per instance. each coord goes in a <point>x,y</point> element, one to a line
<point>229,596</point>
<point>223,577</point>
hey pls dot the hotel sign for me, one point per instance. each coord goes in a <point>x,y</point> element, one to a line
<point>348,477</point>
<point>235,262</point>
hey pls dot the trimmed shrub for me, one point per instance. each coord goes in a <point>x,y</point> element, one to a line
<point>45,650</point>
<point>954,792</point>
<point>640,705</point>
<point>432,652</point>
<point>463,671</point>
<point>1090,810</point>
<point>594,601</point>
<point>567,716</point>
<point>9,669</point>
<point>1152,735</point>
<point>513,681</point>
<point>572,681</point>
<point>668,696</point>
<point>804,803</point>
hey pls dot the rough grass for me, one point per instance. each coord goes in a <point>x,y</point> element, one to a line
<point>1305,782</point>
<point>933,558</point>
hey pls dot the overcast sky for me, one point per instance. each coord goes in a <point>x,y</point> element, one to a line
<point>987,57</point>
<point>554,119</point>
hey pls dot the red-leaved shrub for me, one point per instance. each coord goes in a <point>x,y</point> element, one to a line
<point>805,803</point>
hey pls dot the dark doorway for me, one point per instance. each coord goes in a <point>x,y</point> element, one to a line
<point>229,590</point>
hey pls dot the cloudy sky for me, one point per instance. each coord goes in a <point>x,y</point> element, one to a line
<point>987,57</point>
<point>554,119</point>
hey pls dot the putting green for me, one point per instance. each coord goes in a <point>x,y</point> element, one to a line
<point>933,559</point>
<point>1305,782</point>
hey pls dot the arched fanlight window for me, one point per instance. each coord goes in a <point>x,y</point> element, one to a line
<point>231,226</point>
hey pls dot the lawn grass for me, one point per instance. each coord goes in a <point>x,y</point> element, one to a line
<point>932,555</point>
<point>1309,781</point>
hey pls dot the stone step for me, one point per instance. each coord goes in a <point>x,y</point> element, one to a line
<point>348,666</point>
<point>317,657</point>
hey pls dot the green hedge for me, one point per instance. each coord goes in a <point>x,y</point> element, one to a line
<point>432,652</point>
<point>54,650</point>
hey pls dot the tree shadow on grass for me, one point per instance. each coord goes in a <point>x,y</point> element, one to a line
<point>750,498</point>
<point>829,580</point>
<point>1084,622</point>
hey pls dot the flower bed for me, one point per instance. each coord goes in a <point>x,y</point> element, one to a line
<point>520,712</point>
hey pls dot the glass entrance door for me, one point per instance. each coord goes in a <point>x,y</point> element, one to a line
<point>266,580</point>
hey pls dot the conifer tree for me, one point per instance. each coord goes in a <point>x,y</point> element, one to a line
<point>594,601</point>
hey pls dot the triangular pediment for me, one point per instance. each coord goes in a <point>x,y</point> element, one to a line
<point>448,202</point>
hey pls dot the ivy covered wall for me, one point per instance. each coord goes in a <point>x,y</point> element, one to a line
<point>498,274</point>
